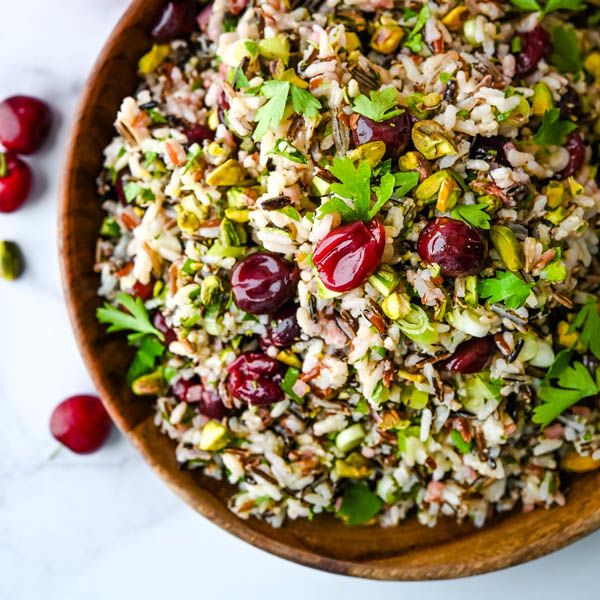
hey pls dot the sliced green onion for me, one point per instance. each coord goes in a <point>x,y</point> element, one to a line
<point>350,438</point>
<point>417,326</point>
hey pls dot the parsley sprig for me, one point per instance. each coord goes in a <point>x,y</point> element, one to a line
<point>587,323</point>
<point>359,504</point>
<point>507,288</point>
<point>381,106</point>
<point>574,383</point>
<point>551,5</point>
<point>134,318</point>
<point>414,41</point>
<point>270,114</point>
<point>553,131</point>
<point>472,214</point>
<point>353,190</point>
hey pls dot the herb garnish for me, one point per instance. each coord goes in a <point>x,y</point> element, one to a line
<point>553,131</point>
<point>551,5</point>
<point>136,318</point>
<point>575,383</point>
<point>587,323</point>
<point>381,106</point>
<point>414,41</point>
<point>507,288</point>
<point>566,54</point>
<point>472,214</point>
<point>359,504</point>
<point>270,114</point>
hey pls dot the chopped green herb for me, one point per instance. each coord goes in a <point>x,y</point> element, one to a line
<point>382,104</point>
<point>507,288</point>
<point>553,131</point>
<point>472,214</point>
<point>146,358</point>
<point>566,54</point>
<point>405,182</point>
<point>271,113</point>
<point>359,504</point>
<point>587,324</point>
<point>136,318</point>
<point>575,383</point>
<point>414,41</point>
<point>551,5</point>
<point>110,228</point>
<point>445,77</point>
<point>457,440</point>
<point>291,377</point>
<point>284,148</point>
<point>304,102</point>
<point>157,118</point>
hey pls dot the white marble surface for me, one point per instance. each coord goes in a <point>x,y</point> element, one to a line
<point>104,526</point>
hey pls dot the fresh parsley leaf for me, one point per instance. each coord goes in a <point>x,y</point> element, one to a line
<point>575,383</point>
<point>291,376</point>
<point>561,362</point>
<point>528,5</point>
<point>337,205</point>
<point>359,504</point>
<point>383,193</point>
<point>136,318</point>
<point>553,5</point>
<point>304,102</point>
<point>472,214</point>
<point>507,288</point>
<point>587,322</point>
<point>132,190</point>
<point>381,105</point>
<point>457,440</point>
<point>270,114</point>
<point>405,182</point>
<point>414,41</point>
<point>553,131</point>
<point>284,148</point>
<point>145,358</point>
<point>355,184</point>
<point>566,54</point>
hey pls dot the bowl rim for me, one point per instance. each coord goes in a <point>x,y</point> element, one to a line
<point>534,547</point>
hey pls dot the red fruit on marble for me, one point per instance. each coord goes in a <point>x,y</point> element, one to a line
<point>15,182</point>
<point>80,423</point>
<point>24,124</point>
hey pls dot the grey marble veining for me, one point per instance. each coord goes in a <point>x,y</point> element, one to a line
<point>104,527</point>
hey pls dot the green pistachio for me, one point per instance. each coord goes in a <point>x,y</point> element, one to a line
<point>214,436</point>
<point>211,290</point>
<point>507,246</point>
<point>440,187</point>
<point>228,174</point>
<point>154,58</point>
<point>519,115</point>
<point>542,99</point>
<point>232,234</point>
<point>187,221</point>
<point>152,384</point>
<point>237,215</point>
<point>396,306</point>
<point>455,19</point>
<point>387,37</point>
<point>275,47</point>
<point>415,161</point>
<point>556,194</point>
<point>432,140</point>
<point>11,261</point>
<point>556,216</point>
<point>110,227</point>
<point>371,152</point>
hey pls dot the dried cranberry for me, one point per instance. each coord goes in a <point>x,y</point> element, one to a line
<point>178,19</point>
<point>576,149</point>
<point>283,329</point>
<point>160,322</point>
<point>262,282</point>
<point>255,378</point>
<point>394,132</point>
<point>570,104</point>
<point>24,124</point>
<point>535,46</point>
<point>143,291</point>
<point>187,390</point>
<point>491,149</point>
<point>211,405</point>
<point>456,247</point>
<point>472,356</point>
<point>198,133</point>
<point>15,182</point>
<point>80,423</point>
<point>349,255</point>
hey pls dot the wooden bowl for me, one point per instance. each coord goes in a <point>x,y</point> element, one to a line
<point>409,551</point>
